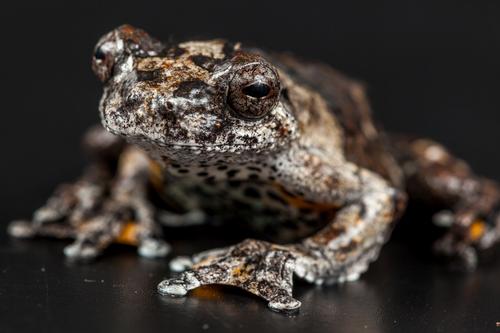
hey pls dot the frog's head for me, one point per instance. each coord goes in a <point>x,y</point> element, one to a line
<point>193,100</point>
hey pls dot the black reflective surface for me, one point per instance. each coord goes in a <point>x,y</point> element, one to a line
<point>404,291</point>
<point>431,69</point>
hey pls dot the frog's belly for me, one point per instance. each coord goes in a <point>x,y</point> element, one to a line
<point>266,207</point>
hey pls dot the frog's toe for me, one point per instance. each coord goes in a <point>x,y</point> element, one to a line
<point>180,264</point>
<point>81,252</point>
<point>179,287</point>
<point>461,256</point>
<point>173,288</point>
<point>284,304</point>
<point>31,229</point>
<point>153,248</point>
<point>21,229</point>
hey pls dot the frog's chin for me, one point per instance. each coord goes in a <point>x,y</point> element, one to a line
<point>141,141</point>
<point>188,153</point>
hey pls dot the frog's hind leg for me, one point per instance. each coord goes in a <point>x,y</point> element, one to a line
<point>472,213</point>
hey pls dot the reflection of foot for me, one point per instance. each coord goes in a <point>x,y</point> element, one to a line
<point>261,268</point>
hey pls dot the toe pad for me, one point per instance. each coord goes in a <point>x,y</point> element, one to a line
<point>284,304</point>
<point>172,287</point>
<point>21,229</point>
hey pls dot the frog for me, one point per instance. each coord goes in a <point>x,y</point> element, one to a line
<point>211,131</point>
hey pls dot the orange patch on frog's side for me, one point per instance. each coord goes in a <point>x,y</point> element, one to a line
<point>128,234</point>
<point>476,230</point>
<point>300,202</point>
<point>156,175</point>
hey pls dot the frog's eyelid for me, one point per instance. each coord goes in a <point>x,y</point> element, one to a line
<point>221,72</point>
<point>252,64</point>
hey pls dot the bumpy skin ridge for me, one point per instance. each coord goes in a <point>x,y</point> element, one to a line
<point>202,130</point>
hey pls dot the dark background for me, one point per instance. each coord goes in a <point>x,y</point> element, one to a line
<point>431,68</point>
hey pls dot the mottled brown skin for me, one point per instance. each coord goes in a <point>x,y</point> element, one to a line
<point>217,132</point>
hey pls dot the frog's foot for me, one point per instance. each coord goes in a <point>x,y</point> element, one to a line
<point>261,268</point>
<point>468,233</point>
<point>100,234</point>
<point>127,222</point>
<point>82,211</point>
<point>94,236</point>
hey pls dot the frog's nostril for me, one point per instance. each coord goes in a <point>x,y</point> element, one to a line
<point>132,102</point>
<point>99,54</point>
<point>165,110</point>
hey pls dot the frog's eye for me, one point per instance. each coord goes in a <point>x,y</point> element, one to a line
<point>253,91</point>
<point>102,63</point>
<point>99,54</point>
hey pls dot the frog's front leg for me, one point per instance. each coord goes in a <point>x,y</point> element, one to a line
<point>107,204</point>
<point>126,215</point>
<point>67,207</point>
<point>72,203</point>
<point>341,251</point>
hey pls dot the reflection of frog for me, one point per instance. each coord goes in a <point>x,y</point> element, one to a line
<point>288,147</point>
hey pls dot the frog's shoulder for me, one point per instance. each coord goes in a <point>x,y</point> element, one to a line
<point>364,143</point>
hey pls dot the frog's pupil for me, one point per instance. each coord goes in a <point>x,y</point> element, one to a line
<point>257,90</point>
<point>99,54</point>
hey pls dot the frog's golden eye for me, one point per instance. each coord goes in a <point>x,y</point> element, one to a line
<point>102,63</point>
<point>253,91</point>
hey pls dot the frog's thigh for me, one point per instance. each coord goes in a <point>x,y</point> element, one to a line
<point>472,214</point>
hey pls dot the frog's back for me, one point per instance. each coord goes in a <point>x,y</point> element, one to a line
<point>363,143</point>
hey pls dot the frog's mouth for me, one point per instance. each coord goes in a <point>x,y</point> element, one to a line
<point>142,140</point>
